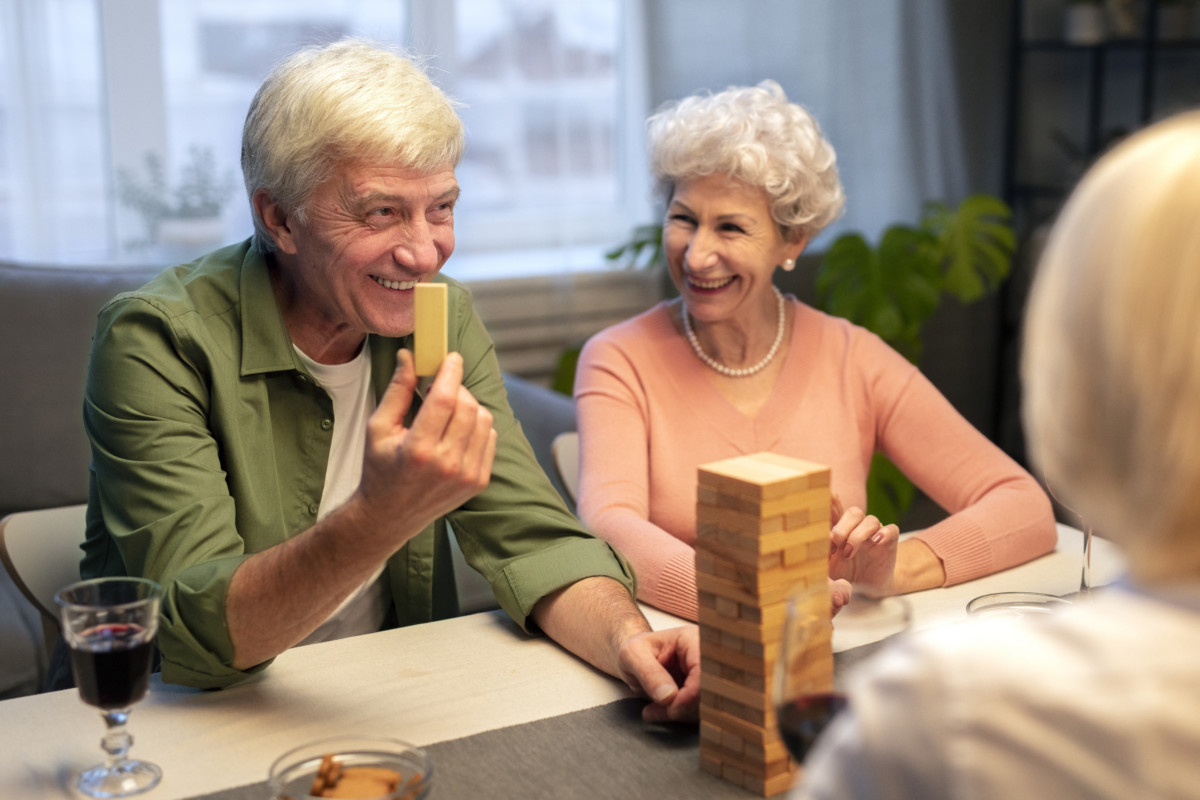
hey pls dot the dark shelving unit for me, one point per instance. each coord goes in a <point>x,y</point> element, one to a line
<point>1136,64</point>
<point>1078,98</point>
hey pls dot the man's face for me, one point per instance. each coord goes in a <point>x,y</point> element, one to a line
<point>371,233</point>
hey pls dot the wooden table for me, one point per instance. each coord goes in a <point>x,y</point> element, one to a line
<point>424,684</point>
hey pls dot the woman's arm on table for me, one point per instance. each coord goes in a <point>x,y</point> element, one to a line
<point>998,514</point>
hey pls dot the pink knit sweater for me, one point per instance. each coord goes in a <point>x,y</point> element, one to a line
<point>649,414</point>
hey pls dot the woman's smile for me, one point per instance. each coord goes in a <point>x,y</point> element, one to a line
<point>714,285</point>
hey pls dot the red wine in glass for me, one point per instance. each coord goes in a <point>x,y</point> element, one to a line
<point>111,664</point>
<point>802,719</point>
<point>109,625</point>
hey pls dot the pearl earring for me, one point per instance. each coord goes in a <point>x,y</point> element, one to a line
<point>789,264</point>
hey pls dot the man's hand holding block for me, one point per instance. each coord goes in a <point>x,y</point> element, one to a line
<point>429,327</point>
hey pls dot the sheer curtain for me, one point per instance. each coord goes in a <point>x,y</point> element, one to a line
<point>878,75</point>
<point>89,89</point>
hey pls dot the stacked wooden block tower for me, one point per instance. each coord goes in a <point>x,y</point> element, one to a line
<point>762,531</point>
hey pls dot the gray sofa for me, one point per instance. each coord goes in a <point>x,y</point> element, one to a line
<point>47,316</point>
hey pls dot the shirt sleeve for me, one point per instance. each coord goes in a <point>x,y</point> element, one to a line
<point>998,514</point>
<point>614,478</point>
<point>518,532</point>
<point>156,473</point>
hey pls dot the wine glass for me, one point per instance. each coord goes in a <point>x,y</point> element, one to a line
<point>1085,580</point>
<point>109,625</point>
<point>806,699</point>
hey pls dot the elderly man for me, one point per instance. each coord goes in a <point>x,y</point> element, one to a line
<point>260,443</point>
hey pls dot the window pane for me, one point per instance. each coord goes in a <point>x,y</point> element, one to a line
<point>215,55</point>
<point>53,185</point>
<point>542,85</point>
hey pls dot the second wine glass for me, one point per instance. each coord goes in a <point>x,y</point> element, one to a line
<point>805,695</point>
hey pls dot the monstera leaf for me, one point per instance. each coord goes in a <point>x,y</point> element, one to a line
<point>893,288</point>
<point>890,290</point>
<point>977,244</point>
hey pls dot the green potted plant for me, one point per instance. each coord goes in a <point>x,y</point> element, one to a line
<point>186,214</point>
<point>894,287</point>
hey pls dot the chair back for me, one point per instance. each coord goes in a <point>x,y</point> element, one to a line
<point>565,449</point>
<point>41,551</point>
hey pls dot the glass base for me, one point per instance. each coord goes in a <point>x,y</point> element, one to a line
<point>123,780</point>
<point>1015,604</point>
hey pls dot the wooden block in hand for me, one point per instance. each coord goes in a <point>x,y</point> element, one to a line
<point>429,329</point>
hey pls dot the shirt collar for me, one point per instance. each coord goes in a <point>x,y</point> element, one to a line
<point>266,344</point>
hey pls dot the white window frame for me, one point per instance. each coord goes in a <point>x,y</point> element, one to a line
<point>136,122</point>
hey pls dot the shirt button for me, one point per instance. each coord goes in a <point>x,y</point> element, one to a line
<point>326,424</point>
<point>313,508</point>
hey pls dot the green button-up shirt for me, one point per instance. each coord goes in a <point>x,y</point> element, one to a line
<point>210,441</point>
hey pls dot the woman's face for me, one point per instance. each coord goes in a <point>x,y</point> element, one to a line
<point>722,247</point>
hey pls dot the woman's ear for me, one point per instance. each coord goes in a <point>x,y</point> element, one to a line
<point>276,221</point>
<point>794,242</point>
<point>797,240</point>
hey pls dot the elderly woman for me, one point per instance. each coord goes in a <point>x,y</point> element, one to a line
<point>734,367</point>
<point>1099,701</point>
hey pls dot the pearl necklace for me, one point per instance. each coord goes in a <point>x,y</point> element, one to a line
<point>732,372</point>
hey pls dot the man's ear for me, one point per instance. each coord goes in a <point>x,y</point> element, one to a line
<point>276,220</point>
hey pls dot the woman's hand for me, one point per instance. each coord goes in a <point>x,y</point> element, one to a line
<point>840,592</point>
<point>862,550</point>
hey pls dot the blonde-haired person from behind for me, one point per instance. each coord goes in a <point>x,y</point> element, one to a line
<point>1099,701</point>
<point>733,367</point>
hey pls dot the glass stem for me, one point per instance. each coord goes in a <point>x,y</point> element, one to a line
<point>117,740</point>
<point>1085,581</point>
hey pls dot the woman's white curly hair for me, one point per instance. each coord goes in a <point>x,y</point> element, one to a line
<point>755,135</point>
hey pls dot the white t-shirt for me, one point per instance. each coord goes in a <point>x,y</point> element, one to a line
<point>1101,700</point>
<point>349,387</point>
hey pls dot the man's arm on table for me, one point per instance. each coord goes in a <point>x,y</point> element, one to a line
<point>597,619</point>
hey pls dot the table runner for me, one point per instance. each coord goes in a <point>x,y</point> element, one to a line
<point>597,753</point>
<point>601,752</point>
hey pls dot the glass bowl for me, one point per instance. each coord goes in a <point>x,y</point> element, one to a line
<point>1015,604</point>
<point>362,761</point>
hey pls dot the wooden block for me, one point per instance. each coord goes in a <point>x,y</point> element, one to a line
<point>738,694</point>
<point>707,563</point>
<point>728,608</point>
<point>728,639</point>
<point>762,589</point>
<point>710,731</point>
<point>730,521</point>
<point>749,665</point>
<point>780,783</point>
<point>818,474</point>
<point>803,503</point>
<point>724,721</point>
<point>770,751</point>
<point>758,542</point>
<point>762,476</point>
<point>429,329</point>
<point>739,628</point>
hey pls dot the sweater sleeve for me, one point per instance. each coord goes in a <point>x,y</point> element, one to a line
<point>614,477</point>
<point>998,514</point>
